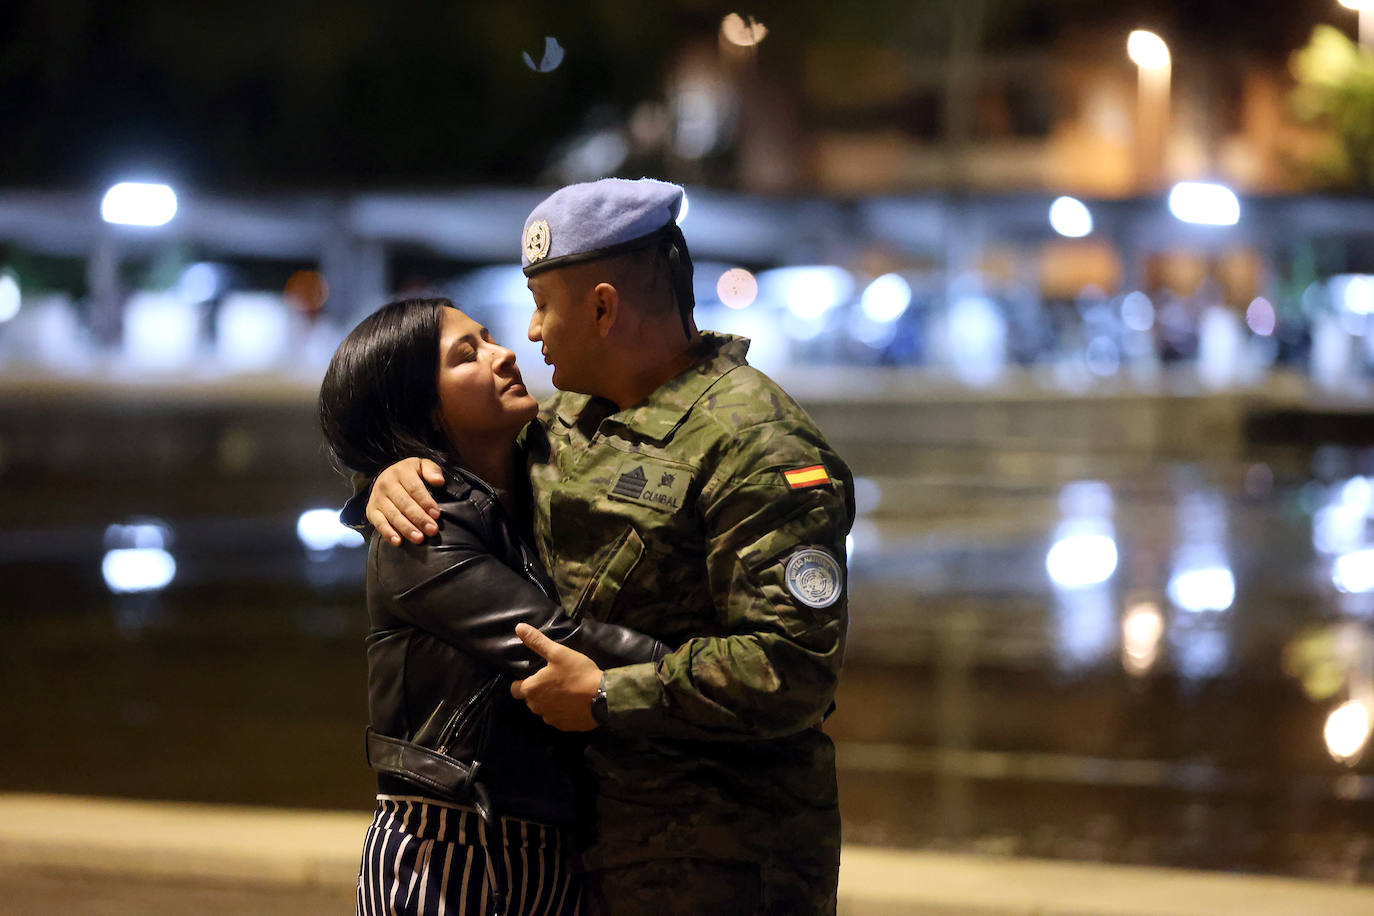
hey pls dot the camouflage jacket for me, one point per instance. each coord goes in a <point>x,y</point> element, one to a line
<point>713,517</point>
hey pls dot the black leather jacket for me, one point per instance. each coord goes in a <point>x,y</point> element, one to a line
<point>442,651</point>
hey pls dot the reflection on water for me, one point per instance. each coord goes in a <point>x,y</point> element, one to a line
<point>1162,663</point>
<point>1142,626</point>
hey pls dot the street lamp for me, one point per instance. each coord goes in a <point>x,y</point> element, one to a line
<point>1151,55</point>
<point>1366,10</point>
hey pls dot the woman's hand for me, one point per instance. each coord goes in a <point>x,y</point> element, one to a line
<point>561,692</point>
<point>400,502</point>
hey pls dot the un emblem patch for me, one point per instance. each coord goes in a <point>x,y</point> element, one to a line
<point>813,577</point>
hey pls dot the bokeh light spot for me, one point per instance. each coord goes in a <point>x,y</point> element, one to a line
<point>553,56</point>
<point>742,32</point>
<point>1071,218</point>
<point>1346,731</point>
<point>737,288</point>
<point>1260,317</point>
<point>135,203</point>
<point>307,290</point>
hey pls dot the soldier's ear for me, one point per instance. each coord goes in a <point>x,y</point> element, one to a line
<point>606,307</point>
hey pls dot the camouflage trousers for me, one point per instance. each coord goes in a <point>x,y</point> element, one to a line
<point>693,887</point>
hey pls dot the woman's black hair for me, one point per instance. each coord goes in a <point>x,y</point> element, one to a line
<point>380,395</point>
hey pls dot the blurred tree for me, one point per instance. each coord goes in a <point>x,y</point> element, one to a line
<point>1336,87</point>
<point>346,93</point>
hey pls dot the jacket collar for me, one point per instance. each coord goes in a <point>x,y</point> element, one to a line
<point>664,410</point>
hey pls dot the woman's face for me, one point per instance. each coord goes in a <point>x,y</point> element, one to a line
<point>480,390</point>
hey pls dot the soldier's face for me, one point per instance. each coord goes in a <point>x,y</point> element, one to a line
<point>564,326</point>
<point>480,389</point>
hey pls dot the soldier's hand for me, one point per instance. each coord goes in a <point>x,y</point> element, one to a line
<point>400,502</point>
<point>561,692</point>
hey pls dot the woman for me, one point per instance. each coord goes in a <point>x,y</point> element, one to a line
<point>475,793</point>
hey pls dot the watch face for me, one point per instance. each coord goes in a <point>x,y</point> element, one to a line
<point>600,709</point>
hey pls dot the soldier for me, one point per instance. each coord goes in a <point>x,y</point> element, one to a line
<point>680,492</point>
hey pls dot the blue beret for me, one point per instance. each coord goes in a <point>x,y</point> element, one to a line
<point>597,219</point>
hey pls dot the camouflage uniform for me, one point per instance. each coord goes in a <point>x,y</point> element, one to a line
<point>686,518</point>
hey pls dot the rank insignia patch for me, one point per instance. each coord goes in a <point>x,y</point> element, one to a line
<point>813,577</point>
<point>807,477</point>
<point>631,484</point>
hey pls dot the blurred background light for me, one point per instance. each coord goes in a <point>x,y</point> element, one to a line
<point>1082,559</point>
<point>1085,627</point>
<point>1071,218</point>
<point>200,282</point>
<point>1142,629</point>
<point>553,56</point>
<point>161,332</point>
<point>875,334</point>
<point>698,106</point>
<point>1358,492</point>
<point>1137,311</point>
<point>320,530</point>
<point>1204,203</point>
<point>808,292</point>
<point>769,351</point>
<point>502,286</point>
<point>1347,731</point>
<point>742,32</point>
<point>1341,525</point>
<point>1354,292</point>
<point>10,297</point>
<point>1103,356</point>
<point>1353,573</point>
<point>138,569</point>
<point>1086,499</point>
<point>1147,50</point>
<point>133,203</point>
<point>1210,588</point>
<point>591,155</point>
<point>1200,651</point>
<point>140,535</point>
<point>1260,317</point>
<point>307,290</point>
<point>737,288</point>
<point>252,331</point>
<point>886,298</point>
<point>976,339</point>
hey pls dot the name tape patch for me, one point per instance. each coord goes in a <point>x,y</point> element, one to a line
<point>813,577</point>
<point>813,476</point>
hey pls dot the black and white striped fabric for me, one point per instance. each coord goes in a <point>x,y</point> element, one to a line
<point>428,858</point>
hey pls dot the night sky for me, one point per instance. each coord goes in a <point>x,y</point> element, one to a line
<point>351,93</point>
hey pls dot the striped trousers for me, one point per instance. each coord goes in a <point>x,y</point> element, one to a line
<point>430,858</point>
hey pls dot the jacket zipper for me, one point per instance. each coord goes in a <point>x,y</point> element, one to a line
<point>463,713</point>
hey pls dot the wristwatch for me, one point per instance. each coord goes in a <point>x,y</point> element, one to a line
<point>601,712</point>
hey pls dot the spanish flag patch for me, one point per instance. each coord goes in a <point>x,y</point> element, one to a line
<point>813,476</point>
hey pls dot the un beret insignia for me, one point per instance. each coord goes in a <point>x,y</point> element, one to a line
<point>537,239</point>
<point>813,577</point>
